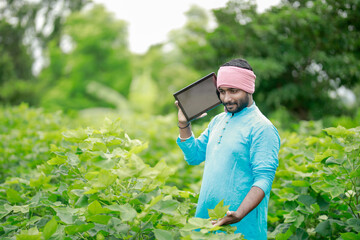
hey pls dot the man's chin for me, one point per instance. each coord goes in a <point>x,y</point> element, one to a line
<point>232,109</point>
<point>235,109</point>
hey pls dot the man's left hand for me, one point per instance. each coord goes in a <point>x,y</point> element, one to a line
<point>231,217</point>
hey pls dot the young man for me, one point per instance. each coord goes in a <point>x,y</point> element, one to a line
<point>240,148</point>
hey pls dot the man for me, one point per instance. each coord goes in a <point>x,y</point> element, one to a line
<point>240,148</point>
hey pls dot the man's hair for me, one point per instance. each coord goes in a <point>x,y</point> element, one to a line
<point>238,62</point>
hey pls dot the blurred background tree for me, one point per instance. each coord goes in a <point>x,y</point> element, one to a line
<point>26,28</point>
<point>305,55</point>
<point>93,48</point>
<point>303,52</point>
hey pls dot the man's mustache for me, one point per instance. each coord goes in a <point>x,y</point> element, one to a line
<point>229,103</point>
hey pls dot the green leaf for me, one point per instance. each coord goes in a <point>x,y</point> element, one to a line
<point>31,234</point>
<point>332,160</point>
<point>284,236</point>
<point>75,135</point>
<point>197,223</point>
<point>102,219</point>
<point>13,196</point>
<point>300,234</point>
<point>56,161</point>
<point>50,228</point>
<point>294,217</point>
<point>166,206</point>
<point>339,131</point>
<point>4,211</point>
<point>119,226</point>
<point>354,223</point>
<point>300,183</point>
<point>34,220</point>
<point>99,146</point>
<point>323,156</point>
<point>335,191</point>
<point>82,201</point>
<point>219,211</point>
<point>324,228</point>
<point>73,159</point>
<point>95,208</point>
<point>350,236</point>
<point>315,208</point>
<point>155,200</point>
<point>65,214</point>
<point>355,173</point>
<point>307,200</point>
<point>127,213</point>
<point>106,178</point>
<point>40,181</point>
<point>104,162</point>
<point>352,147</point>
<point>163,234</point>
<point>22,209</point>
<point>71,230</point>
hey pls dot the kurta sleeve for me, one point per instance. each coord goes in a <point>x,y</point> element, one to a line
<point>194,149</point>
<point>264,160</point>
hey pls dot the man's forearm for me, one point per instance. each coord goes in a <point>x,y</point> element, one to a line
<point>185,130</point>
<point>251,201</point>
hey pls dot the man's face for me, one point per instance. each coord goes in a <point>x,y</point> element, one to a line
<point>234,99</point>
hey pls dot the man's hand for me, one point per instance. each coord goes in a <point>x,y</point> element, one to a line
<point>231,217</point>
<point>181,116</point>
<point>251,201</point>
<point>183,124</point>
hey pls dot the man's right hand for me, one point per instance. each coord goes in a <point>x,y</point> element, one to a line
<point>181,116</point>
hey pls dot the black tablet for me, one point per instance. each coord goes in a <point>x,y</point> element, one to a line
<point>199,97</point>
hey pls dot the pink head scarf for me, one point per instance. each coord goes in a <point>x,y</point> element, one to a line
<point>236,77</point>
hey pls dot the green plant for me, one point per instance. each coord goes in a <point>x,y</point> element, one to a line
<point>316,191</point>
<point>93,185</point>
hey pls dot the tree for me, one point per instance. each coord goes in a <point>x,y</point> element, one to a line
<point>25,29</point>
<point>15,65</point>
<point>93,48</point>
<point>192,40</point>
<point>302,52</point>
<point>166,69</point>
<point>313,42</point>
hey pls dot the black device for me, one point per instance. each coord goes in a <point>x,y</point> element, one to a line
<point>199,97</point>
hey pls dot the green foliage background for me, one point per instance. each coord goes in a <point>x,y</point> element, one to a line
<point>87,142</point>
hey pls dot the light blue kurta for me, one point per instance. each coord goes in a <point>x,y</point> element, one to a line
<point>240,151</point>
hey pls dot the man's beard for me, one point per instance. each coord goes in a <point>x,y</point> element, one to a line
<point>237,106</point>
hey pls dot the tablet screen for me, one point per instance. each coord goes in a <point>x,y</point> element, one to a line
<point>198,97</point>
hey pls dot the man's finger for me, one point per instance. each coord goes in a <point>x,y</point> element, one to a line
<point>202,115</point>
<point>221,222</point>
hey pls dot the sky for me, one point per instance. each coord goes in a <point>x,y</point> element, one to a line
<point>150,21</point>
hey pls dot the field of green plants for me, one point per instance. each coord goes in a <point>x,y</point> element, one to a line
<point>88,127</point>
<point>125,178</point>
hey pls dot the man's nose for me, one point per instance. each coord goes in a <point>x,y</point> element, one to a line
<point>227,97</point>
